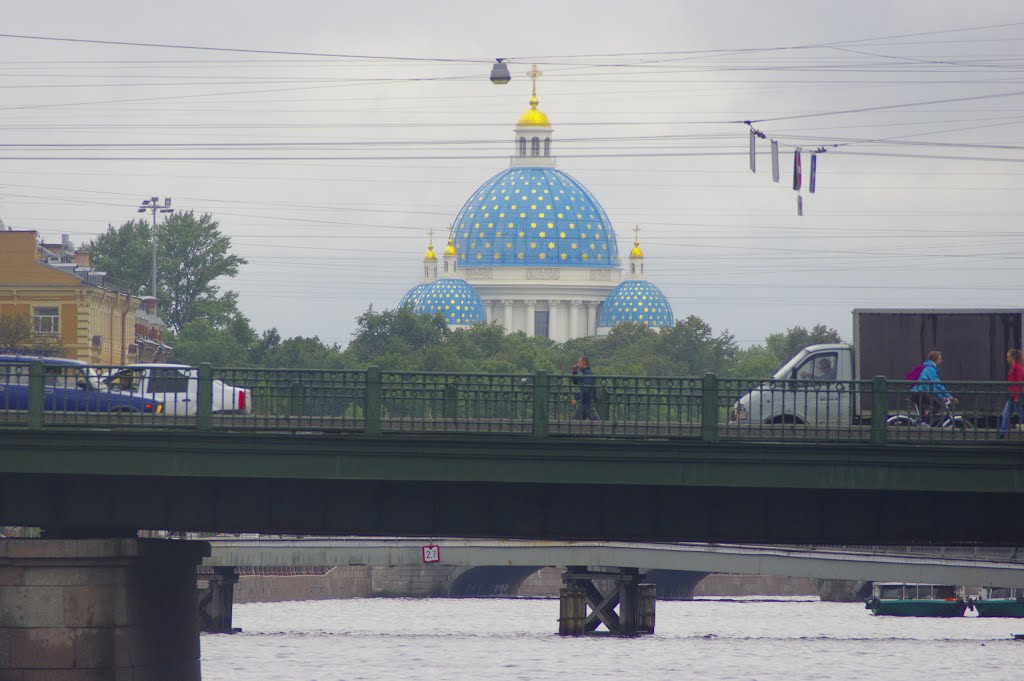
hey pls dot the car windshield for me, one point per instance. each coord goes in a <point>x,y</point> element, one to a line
<point>787,369</point>
<point>92,377</point>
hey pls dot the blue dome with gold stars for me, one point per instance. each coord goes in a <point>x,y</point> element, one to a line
<point>413,295</point>
<point>455,299</point>
<point>637,301</point>
<point>534,217</point>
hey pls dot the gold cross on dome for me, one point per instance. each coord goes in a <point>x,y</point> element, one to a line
<point>430,237</point>
<point>636,232</point>
<point>534,73</point>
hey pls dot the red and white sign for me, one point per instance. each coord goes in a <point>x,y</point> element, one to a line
<point>431,553</point>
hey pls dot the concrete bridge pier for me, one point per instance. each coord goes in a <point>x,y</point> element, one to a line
<point>217,600</point>
<point>92,609</point>
<point>623,588</point>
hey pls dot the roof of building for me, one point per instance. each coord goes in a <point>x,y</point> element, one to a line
<point>454,298</point>
<point>637,301</point>
<point>412,296</point>
<point>534,217</point>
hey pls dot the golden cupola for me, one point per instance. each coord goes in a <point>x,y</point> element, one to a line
<point>636,257</point>
<point>534,117</point>
<point>449,250</point>
<point>430,255</point>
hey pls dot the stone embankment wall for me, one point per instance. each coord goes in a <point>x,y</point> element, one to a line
<point>435,580</point>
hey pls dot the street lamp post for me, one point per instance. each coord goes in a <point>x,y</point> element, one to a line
<point>152,205</point>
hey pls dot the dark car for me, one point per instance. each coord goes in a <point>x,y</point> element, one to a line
<point>69,385</point>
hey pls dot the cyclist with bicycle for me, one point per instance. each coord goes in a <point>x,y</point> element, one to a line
<point>930,396</point>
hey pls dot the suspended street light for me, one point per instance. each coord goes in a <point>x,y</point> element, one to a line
<point>499,72</point>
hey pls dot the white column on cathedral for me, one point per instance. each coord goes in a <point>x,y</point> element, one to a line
<point>553,333</point>
<point>574,319</point>
<point>591,318</point>
<point>531,310</point>
<point>508,315</point>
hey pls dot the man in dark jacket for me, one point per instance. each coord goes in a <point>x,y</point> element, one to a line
<point>584,403</point>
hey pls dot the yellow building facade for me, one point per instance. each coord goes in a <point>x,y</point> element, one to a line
<point>72,305</point>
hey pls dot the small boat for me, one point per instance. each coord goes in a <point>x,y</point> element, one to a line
<point>916,600</point>
<point>999,601</point>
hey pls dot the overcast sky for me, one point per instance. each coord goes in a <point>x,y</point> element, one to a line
<point>328,171</point>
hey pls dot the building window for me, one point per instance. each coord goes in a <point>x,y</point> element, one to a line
<point>46,320</point>
<point>522,146</point>
<point>547,146</point>
<point>535,146</point>
<point>540,324</point>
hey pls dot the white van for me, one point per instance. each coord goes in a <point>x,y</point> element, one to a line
<point>813,388</point>
<point>177,385</point>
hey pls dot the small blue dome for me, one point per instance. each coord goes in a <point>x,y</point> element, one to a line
<point>534,217</point>
<point>413,295</point>
<point>638,301</point>
<point>454,298</point>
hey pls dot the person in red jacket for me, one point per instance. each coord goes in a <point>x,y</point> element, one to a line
<point>1015,402</point>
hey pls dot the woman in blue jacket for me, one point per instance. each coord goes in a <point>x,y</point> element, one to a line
<point>928,393</point>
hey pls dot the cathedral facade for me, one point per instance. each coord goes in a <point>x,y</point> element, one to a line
<point>533,250</point>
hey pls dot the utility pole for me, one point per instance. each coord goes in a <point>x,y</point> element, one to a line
<point>152,205</point>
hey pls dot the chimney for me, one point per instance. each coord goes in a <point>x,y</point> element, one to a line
<point>149,304</point>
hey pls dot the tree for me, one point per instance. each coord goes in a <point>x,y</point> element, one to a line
<point>200,341</point>
<point>391,337</point>
<point>191,255</point>
<point>754,362</point>
<point>305,353</point>
<point>126,254</point>
<point>16,334</point>
<point>15,331</point>
<point>785,345</point>
<point>692,350</point>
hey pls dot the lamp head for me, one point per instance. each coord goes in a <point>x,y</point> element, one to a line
<point>499,72</point>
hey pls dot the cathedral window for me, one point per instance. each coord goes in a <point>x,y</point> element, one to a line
<point>540,324</point>
<point>522,146</point>
<point>535,146</point>
<point>547,146</point>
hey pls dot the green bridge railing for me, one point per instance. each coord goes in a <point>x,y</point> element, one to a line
<point>539,405</point>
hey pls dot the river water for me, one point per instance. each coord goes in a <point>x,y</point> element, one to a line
<point>710,640</point>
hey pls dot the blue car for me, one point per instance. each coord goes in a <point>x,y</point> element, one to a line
<point>69,385</point>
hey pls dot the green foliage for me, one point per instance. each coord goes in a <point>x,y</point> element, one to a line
<point>191,254</point>
<point>785,345</point>
<point>400,340</point>
<point>125,253</point>
<point>389,338</point>
<point>15,331</point>
<point>200,341</point>
<point>753,362</point>
<point>304,353</point>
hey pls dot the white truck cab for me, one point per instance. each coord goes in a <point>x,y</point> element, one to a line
<point>813,388</point>
<point>177,386</point>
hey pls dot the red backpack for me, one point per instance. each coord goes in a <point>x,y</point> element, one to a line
<point>914,373</point>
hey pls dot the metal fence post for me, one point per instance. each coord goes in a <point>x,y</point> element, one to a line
<point>371,412</point>
<point>540,404</point>
<point>879,410</point>
<point>36,395</point>
<point>451,402</point>
<point>709,408</point>
<point>204,398</point>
